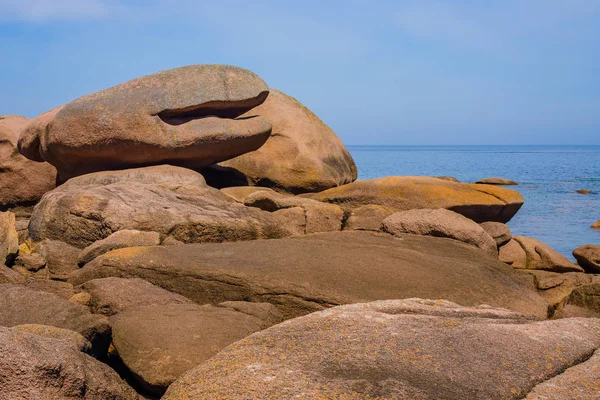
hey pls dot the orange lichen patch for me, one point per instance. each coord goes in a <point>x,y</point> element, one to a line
<point>125,253</point>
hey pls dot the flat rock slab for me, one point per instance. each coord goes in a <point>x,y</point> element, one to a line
<point>397,349</point>
<point>118,240</point>
<point>400,193</point>
<point>159,343</point>
<point>307,273</point>
<point>20,305</point>
<point>109,296</point>
<point>36,367</point>
<point>185,116</point>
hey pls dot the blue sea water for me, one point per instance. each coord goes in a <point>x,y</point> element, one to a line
<point>548,177</point>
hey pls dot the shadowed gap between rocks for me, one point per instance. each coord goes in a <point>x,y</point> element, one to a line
<point>221,109</point>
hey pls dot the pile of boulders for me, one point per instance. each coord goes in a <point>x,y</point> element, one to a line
<point>143,272</point>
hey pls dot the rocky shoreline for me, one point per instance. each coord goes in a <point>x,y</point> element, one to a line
<point>194,234</point>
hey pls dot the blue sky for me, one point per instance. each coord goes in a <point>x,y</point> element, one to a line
<point>378,72</point>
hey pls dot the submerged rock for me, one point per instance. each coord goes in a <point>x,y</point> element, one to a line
<point>186,116</point>
<point>440,223</point>
<point>308,273</point>
<point>433,350</point>
<point>596,225</point>
<point>400,193</point>
<point>496,181</point>
<point>583,191</point>
<point>22,181</point>
<point>302,154</point>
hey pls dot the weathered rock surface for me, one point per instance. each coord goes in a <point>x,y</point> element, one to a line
<point>185,116</point>
<point>22,305</point>
<point>571,288</point>
<point>22,181</point>
<point>496,181</point>
<point>172,201</point>
<point>111,296</point>
<point>440,223</point>
<point>239,193</point>
<point>118,240</point>
<point>66,335</point>
<point>61,289</point>
<point>400,193</point>
<point>61,258</point>
<point>447,178</point>
<point>9,239</point>
<point>513,254</point>
<point>316,217</point>
<point>7,275</point>
<point>579,382</point>
<point>302,154</point>
<point>36,367</point>
<point>588,257</point>
<point>308,273</point>
<point>432,350</point>
<point>499,231</point>
<point>266,312</point>
<point>541,256</point>
<point>159,343</point>
<point>367,218</point>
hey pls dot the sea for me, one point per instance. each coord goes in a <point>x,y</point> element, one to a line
<point>548,178</point>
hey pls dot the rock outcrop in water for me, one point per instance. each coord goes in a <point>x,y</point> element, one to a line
<point>154,268</point>
<point>497,181</point>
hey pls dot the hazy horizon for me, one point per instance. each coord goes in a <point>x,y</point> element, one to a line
<point>410,72</point>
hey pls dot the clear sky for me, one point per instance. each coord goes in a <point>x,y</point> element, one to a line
<point>378,72</point>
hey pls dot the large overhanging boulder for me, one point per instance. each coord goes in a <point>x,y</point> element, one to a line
<point>302,155</point>
<point>186,116</point>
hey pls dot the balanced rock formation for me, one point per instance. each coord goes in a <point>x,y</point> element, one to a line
<point>185,116</point>
<point>22,181</point>
<point>36,366</point>
<point>400,193</point>
<point>302,154</point>
<point>588,257</point>
<point>308,273</point>
<point>499,231</point>
<point>110,296</point>
<point>440,223</point>
<point>433,350</point>
<point>173,201</point>
<point>161,342</point>
<point>496,181</point>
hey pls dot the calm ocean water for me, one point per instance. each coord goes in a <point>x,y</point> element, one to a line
<point>548,177</point>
